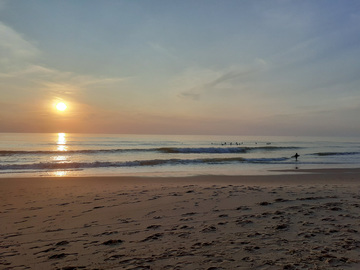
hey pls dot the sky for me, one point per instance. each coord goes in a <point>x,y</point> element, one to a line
<point>226,67</point>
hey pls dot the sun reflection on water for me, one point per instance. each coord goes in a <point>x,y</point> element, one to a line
<point>60,173</point>
<point>61,142</point>
<point>60,159</point>
<point>62,147</point>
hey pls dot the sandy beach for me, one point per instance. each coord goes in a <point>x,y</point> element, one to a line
<point>297,220</point>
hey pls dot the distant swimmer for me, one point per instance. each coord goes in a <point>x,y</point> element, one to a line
<point>296,156</point>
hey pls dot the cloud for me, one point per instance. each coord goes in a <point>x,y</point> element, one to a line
<point>28,69</point>
<point>223,80</point>
<point>162,50</point>
<point>23,80</point>
<point>14,49</point>
<point>226,77</point>
<point>83,80</point>
<point>18,59</point>
<point>55,81</point>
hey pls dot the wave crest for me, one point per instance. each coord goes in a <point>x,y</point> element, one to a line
<point>136,163</point>
<point>165,150</point>
<point>336,153</point>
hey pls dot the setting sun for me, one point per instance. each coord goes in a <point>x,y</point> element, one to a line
<point>61,106</point>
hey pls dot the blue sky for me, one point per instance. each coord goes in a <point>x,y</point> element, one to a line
<point>181,67</point>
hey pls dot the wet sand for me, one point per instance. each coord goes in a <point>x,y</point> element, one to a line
<point>307,220</point>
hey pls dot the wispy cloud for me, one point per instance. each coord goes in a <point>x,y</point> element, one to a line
<point>68,84</point>
<point>223,80</point>
<point>14,48</point>
<point>162,50</point>
<point>19,69</point>
<point>56,81</point>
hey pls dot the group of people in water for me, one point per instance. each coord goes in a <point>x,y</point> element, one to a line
<point>232,143</point>
<point>296,156</point>
<point>236,143</point>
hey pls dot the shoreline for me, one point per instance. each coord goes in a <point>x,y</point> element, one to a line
<point>346,174</point>
<point>302,220</point>
<point>176,174</point>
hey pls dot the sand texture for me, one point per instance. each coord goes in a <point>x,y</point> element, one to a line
<point>297,221</point>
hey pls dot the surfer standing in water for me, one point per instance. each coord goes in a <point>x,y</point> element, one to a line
<point>296,156</point>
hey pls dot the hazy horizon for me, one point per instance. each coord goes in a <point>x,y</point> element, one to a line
<point>243,68</point>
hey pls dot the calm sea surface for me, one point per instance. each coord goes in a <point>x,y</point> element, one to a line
<point>65,154</point>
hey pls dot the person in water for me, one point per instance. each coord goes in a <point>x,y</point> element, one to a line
<point>296,156</point>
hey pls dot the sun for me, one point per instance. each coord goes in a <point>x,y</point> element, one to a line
<point>61,106</point>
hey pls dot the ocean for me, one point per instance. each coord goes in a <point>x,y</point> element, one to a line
<point>66,154</point>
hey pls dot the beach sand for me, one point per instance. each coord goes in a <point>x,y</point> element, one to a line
<point>291,221</point>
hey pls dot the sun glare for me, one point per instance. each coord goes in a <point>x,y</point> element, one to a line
<point>61,142</point>
<point>61,106</point>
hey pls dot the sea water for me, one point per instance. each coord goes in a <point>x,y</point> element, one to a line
<point>65,154</point>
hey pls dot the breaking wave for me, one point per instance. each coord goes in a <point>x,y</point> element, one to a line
<point>136,163</point>
<point>165,150</point>
<point>336,153</point>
